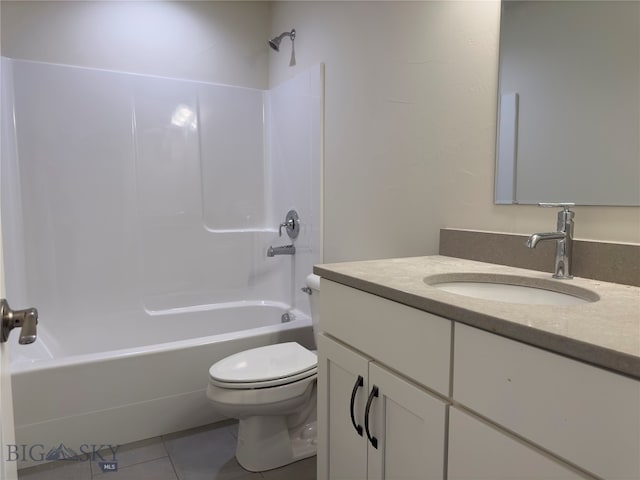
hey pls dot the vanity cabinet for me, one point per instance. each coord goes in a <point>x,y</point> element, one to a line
<point>454,396</point>
<point>375,424</point>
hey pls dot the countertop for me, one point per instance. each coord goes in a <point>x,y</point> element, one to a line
<point>605,333</point>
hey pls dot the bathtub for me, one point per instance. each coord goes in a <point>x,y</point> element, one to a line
<point>135,377</point>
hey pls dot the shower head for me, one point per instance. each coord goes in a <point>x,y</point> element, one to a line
<point>275,41</point>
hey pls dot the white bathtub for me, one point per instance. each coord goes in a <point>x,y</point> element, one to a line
<point>127,379</point>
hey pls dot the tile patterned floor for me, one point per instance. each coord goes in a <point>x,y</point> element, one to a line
<point>205,453</point>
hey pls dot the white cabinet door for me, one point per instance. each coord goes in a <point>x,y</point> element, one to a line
<point>342,451</point>
<point>479,451</point>
<point>406,423</point>
<point>409,426</point>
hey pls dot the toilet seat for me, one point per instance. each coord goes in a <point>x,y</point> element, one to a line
<point>275,382</point>
<point>263,367</point>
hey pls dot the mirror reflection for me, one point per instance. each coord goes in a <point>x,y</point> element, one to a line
<point>569,103</point>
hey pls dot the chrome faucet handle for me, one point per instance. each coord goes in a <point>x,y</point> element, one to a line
<point>564,205</point>
<point>291,224</point>
<point>565,216</point>
<point>288,224</point>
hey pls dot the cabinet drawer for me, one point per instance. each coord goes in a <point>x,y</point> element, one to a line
<point>586,415</point>
<point>477,450</point>
<point>408,340</point>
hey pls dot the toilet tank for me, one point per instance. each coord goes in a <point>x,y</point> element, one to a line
<point>313,283</point>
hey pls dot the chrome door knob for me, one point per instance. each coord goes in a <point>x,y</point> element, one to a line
<point>27,319</point>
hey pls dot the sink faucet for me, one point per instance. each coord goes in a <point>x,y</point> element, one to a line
<point>563,237</point>
<point>284,250</point>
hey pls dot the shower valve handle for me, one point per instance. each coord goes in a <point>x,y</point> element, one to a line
<point>291,224</point>
<point>288,224</point>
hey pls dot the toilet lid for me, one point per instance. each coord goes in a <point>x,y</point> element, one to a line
<point>264,364</point>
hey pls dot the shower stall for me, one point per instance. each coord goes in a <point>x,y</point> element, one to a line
<point>136,216</point>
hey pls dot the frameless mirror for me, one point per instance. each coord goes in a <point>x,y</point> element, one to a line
<point>569,103</point>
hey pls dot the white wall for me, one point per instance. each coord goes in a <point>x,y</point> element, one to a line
<point>222,42</point>
<point>410,126</point>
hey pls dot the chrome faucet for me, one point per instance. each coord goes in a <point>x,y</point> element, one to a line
<point>284,250</point>
<point>563,237</point>
<point>292,227</point>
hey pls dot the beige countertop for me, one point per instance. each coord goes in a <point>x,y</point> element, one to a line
<point>605,333</point>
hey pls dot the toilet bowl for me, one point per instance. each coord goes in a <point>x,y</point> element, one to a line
<point>271,390</point>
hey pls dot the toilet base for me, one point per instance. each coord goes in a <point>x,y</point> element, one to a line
<point>265,442</point>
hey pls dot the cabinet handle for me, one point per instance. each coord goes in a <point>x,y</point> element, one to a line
<point>359,383</point>
<point>372,439</point>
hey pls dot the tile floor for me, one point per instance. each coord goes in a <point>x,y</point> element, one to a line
<point>205,453</point>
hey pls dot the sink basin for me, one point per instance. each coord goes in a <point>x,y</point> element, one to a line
<point>512,288</point>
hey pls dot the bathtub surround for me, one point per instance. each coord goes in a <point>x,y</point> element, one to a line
<point>164,163</point>
<point>609,262</point>
<point>146,206</point>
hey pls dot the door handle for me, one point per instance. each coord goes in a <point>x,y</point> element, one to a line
<point>367,410</point>
<point>359,383</point>
<point>26,319</point>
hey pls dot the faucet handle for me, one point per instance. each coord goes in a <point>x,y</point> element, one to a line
<point>291,224</point>
<point>565,216</point>
<point>564,205</point>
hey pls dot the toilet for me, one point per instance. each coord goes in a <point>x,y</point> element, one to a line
<point>272,391</point>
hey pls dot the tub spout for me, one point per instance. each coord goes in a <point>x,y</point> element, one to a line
<point>284,250</point>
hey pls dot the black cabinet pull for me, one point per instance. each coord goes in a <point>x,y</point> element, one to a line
<point>359,383</point>
<point>372,439</point>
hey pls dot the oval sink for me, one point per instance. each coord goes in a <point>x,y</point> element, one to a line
<point>512,288</point>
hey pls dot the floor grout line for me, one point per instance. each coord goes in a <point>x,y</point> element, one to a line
<point>175,470</point>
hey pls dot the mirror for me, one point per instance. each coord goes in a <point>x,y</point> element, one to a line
<point>569,103</point>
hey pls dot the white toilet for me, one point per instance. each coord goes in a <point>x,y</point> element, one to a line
<point>272,391</point>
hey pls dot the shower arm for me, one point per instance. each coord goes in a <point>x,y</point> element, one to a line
<point>274,43</point>
<point>291,35</point>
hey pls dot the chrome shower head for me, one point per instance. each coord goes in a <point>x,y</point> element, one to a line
<point>275,41</point>
<point>275,44</point>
